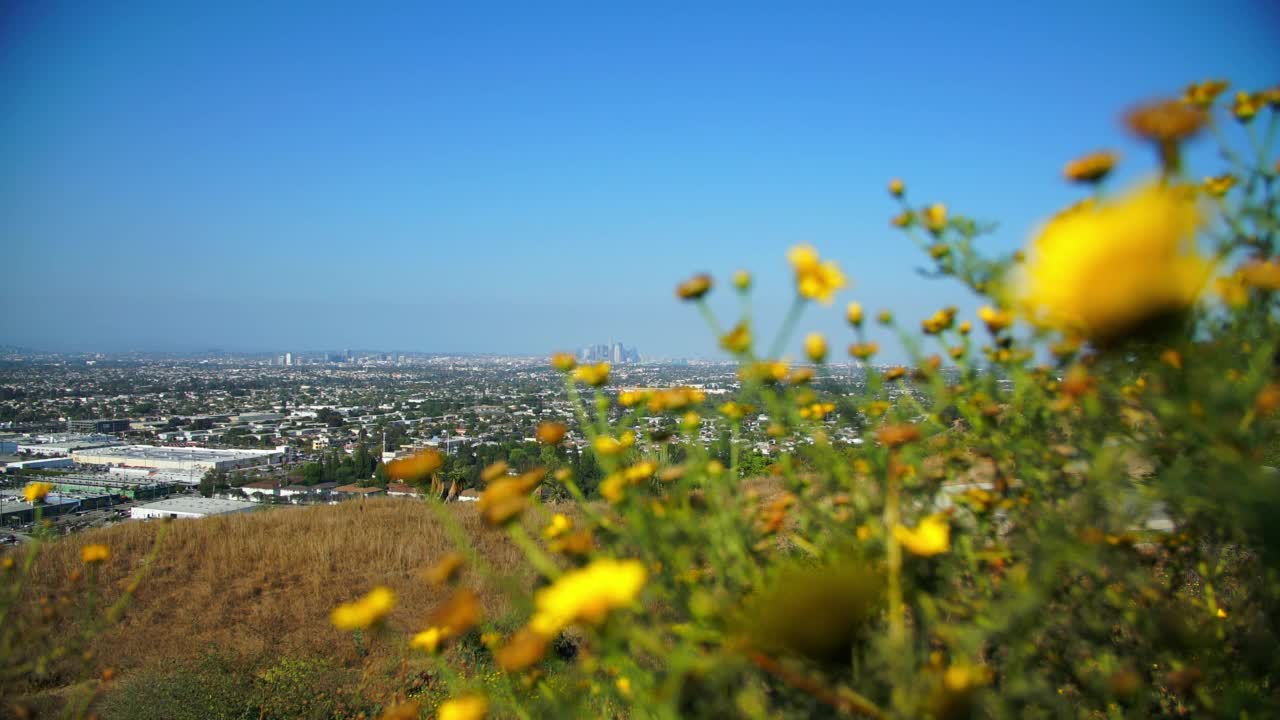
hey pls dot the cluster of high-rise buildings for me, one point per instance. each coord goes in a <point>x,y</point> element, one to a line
<point>614,352</point>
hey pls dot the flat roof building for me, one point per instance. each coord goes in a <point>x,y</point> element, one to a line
<point>177,458</point>
<point>189,508</point>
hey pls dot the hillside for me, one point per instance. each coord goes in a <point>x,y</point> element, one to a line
<point>261,585</point>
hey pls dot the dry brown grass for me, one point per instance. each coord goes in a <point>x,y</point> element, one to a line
<point>265,582</point>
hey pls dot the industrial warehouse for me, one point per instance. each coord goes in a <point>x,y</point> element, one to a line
<point>176,458</point>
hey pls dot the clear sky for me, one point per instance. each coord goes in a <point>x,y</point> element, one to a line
<point>523,177</point>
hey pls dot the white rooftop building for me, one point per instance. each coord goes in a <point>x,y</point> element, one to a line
<point>177,458</point>
<point>189,507</point>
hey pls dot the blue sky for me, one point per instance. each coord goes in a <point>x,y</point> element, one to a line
<point>523,177</point>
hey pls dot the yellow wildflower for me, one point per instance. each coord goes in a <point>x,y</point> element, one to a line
<point>445,569</point>
<point>695,287</point>
<point>815,280</point>
<point>524,649</point>
<point>931,537</point>
<point>613,487</point>
<point>506,497</point>
<point>864,350</point>
<point>897,187</point>
<point>895,373</point>
<point>94,553</point>
<point>800,375</point>
<point>939,322</point>
<point>36,491</point>
<point>1246,106</point>
<point>416,467</point>
<point>904,219</point>
<point>1221,614</point>
<point>1166,121</point>
<point>587,595</point>
<point>1091,168</point>
<point>676,398</point>
<point>1232,290</point>
<point>995,320</point>
<point>365,612</point>
<point>563,361</point>
<point>815,346</point>
<point>551,433</point>
<point>884,317</point>
<point>742,280</point>
<point>594,375</point>
<point>896,435</point>
<point>1142,243</point>
<point>1172,358</point>
<point>608,445</point>
<point>853,314</point>
<point>737,340</point>
<point>734,410</point>
<point>467,707</point>
<point>1261,275</point>
<point>935,218</point>
<point>1220,185</point>
<point>428,640</point>
<point>964,327</point>
<point>1203,94</point>
<point>559,525</point>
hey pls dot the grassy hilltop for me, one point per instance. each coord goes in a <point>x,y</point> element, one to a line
<point>247,593</point>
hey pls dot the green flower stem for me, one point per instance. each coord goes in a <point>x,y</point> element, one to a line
<point>537,557</point>
<point>788,325</point>
<point>893,553</point>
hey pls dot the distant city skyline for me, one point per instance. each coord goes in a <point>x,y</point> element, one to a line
<point>523,179</point>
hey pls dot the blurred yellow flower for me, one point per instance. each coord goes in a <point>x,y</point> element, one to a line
<point>1143,244</point>
<point>734,410</point>
<point>1091,168</point>
<point>1246,106</point>
<point>931,537</point>
<point>884,317</point>
<point>1232,290</point>
<point>365,612</point>
<point>563,361</point>
<point>815,346</point>
<point>904,219</point>
<point>995,320</point>
<point>587,595</point>
<point>1166,121</point>
<point>428,640</point>
<point>853,314</point>
<point>940,321</point>
<point>964,327</point>
<point>467,707</point>
<point>815,279</point>
<point>36,491</point>
<point>935,218</point>
<point>445,568</point>
<point>895,373</point>
<point>1220,185</point>
<point>594,375</point>
<point>608,445</point>
<point>1261,275</point>
<point>416,467</point>
<point>506,497</point>
<point>742,280</point>
<point>94,553</point>
<point>676,398</point>
<point>897,187</point>
<point>551,433</point>
<point>737,340</point>
<point>864,350</point>
<point>695,287</point>
<point>559,525</point>
<point>1203,94</point>
<point>524,648</point>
